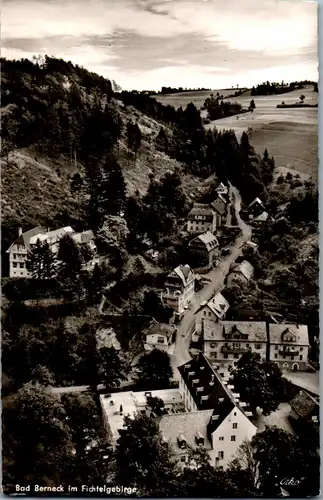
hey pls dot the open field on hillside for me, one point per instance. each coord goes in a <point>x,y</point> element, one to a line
<point>184,98</point>
<point>289,134</point>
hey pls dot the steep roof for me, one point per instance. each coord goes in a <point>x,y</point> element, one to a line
<point>201,209</point>
<point>183,272</point>
<point>256,330</point>
<point>84,237</point>
<point>304,404</point>
<point>256,200</point>
<point>244,267</point>
<point>189,425</point>
<point>222,188</point>
<point>210,241</point>
<point>278,334</point>
<point>24,238</point>
<point>218,205</point>
<point>218,305</point>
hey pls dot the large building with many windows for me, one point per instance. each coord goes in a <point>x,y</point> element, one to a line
<point>289,346</point>
<point>179,288</point>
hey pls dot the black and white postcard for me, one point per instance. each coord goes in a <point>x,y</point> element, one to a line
<point>160,248</point>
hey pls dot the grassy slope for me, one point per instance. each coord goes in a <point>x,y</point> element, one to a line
<point>289,134</point>
<point>35,189</point>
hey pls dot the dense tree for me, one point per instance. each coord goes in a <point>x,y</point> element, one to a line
<point>41,262</point>
<point>154,370</point>
<point>143,459</point>
<point>252,104</point>
<point>113,367</point>
<point>260,383</point>
<point>111,239</point>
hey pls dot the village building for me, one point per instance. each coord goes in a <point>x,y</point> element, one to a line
<point>19,250</point>
<point>23,246</point>
<point>240,273</point>
<point>120,404</point>
<point>204,251</point>
<point>179,288</point>
<point>201,218</point>
<point>225,342</point>
<point>220,209</point>
<point>305,409</point>
<point>159,336</point>
<point>255,208</point>
<point>222,190</point>
<point>288,346</point>
<point>215,310</point>
<point>229,424</point>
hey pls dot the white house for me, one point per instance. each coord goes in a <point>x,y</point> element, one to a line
<point>159,336</point>
<point>201,218</point>
<point>23,245</point>
<point>179,288</point>
<point>289,346</point>
<point>226,341</point>
<point>240,273</point>
<point>229,424</point>
<point>18,252</point>
<point>214,310</point>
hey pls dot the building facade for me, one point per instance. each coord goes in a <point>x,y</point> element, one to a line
<point>179,288</point>
<point>240,273</point>
<point>225,342</point>
<point>159,336</point>
<point>288,346</point>
<point>229,424</point>
<point>200,219</point>
<point>204,251</point>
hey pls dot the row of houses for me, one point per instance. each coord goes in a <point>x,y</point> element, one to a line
<point>23,245</point>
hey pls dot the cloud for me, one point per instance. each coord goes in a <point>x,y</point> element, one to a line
<point>147,43</point>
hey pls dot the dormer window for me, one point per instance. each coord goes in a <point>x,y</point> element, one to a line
<point>199,438</point>
<point>182,441</point>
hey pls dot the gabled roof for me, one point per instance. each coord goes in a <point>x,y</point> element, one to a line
<point>222,188</point>
<point>209,391</point>
<point>256,330</point>
<point>210,241</point>
<point>84,237</point>
<point>276,334</point>
<point>244,267</point>
<point>161,329</point>
<point>51,236</point>
<point>218,305</point>
<point>218,205</point>
<point>256,200</point>
<point>183,272</point>
<point>201,209</point>
<point>24,238</point>
<point>304,404</point>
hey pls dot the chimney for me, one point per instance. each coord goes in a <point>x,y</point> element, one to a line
<point>19,231</point>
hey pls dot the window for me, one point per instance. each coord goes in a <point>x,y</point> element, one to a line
<point>14,264</point>
<point>257,346</point>
<point>301,348</point>
<point>183,458</point>
<point>284,356</point>
<point>221,455</point>
<point>233,438</point>
<point>236,355</point>
<point>221,438</point>
<point>276,347</point>
<point>225,356</point>
<point>247,345</point>
<point>21,265</point>
<point>160,340</point>
<point>275,356</point>
<point>235,414</point>
<point>301,357</point>
<point>234,425</point>
<point>214,355</point>
<point>14,255</point>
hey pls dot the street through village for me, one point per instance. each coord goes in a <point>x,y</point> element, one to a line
<point>217,276</point>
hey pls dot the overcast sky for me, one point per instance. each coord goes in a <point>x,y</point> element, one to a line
<point>147,44</point>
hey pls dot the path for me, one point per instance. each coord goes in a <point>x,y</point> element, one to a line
<point>217,277</point>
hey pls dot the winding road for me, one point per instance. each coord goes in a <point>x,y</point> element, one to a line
<point>217,276</point>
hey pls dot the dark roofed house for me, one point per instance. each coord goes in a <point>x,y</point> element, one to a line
<point>229,425</point>
<point>255,208</point>
<point>304,407</point>
<point>219,207</point>
<point>204,250</point>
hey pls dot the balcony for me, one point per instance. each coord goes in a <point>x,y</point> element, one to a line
<point>289,352</point>
<point>234,350</point>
